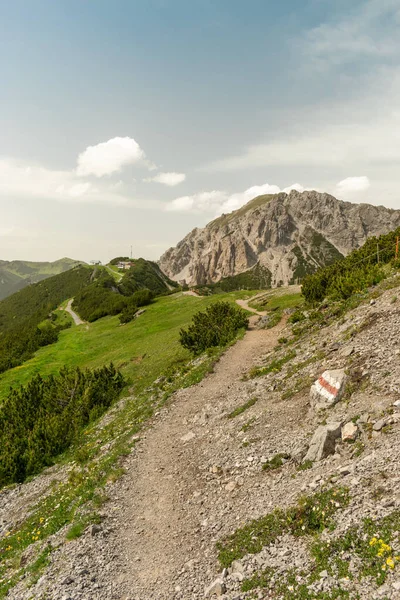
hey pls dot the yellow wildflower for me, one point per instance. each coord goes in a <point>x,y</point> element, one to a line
<point>390,562</point>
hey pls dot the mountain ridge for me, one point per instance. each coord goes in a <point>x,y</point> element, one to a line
<point>289,235</point>
<point>17,274</point>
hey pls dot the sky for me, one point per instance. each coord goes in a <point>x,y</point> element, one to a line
<point>129,123</point>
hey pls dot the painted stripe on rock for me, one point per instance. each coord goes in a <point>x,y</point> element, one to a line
<point>333,382</point>
<point>328,387</point>
<point>323,392</point>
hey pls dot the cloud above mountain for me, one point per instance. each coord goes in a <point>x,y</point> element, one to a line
<point>168,179</point>
<point>347,188</point>
<point>218,202</point>
<point>109,157</point>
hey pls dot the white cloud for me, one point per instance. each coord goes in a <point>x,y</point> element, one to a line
<point>201,202</point>
<point>169,179</point>
<point>351,186</point>
<point>19,180</point>
<point>218,202</point>
<point>235,201</point>
<point>110,157</point>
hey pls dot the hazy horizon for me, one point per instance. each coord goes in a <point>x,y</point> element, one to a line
<point>133,123</point>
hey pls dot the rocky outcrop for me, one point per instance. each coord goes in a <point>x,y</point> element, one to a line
<point>287,234</point>
<point>323,442</point>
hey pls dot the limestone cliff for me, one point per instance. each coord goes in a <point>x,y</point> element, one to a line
<point>289,235</point>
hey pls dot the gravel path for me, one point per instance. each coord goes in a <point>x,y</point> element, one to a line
<point>162,526</point>
<point>76,318</point>
<point>245,304</point>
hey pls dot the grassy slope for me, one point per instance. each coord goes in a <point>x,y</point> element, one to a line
<point>143,349</point>
<point>255,203</point>
<point>280,298</point>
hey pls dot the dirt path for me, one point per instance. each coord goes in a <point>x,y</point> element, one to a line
<point>115,274</point>
<point>171,512</point>
<point>76,318</point>
<point>245,304</point>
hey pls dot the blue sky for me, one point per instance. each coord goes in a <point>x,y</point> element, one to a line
<point>131,122</point>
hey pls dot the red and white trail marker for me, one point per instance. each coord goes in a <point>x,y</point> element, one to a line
<point>328,389</point>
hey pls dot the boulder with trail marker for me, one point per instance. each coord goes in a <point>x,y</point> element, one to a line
<point>328,389</point>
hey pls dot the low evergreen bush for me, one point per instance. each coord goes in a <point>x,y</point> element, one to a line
<point>128,313</point>
<point>361,269</point>
<point>41,420</point>
<point>216,326</point>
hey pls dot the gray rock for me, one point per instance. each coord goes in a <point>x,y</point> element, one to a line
<point>349,432</point>
<point>328,389</point>
<point>237,566</point>
<point>217,587</point>
<point>379,425</point>
<point>323,575</point>
<point>263,322</point>
<point>323,442</point>
<point>299,452</point>
<point>94,529</point>
<point>346,352</point>
<point>345,470</point>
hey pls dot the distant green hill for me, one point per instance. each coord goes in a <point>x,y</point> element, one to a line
<point>17,274</point>
<point>26,316</point>
<point>110,291</point>
<point>146,274</point>
<point>27,319</point>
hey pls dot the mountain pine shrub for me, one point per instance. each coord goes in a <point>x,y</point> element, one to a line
<point>361,269</point>
<point>216,326</point>
<point>42,419</point>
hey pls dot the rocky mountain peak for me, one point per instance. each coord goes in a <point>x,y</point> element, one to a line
<point>288,235</point>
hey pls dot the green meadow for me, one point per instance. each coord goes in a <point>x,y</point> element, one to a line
<point>143,349</point>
